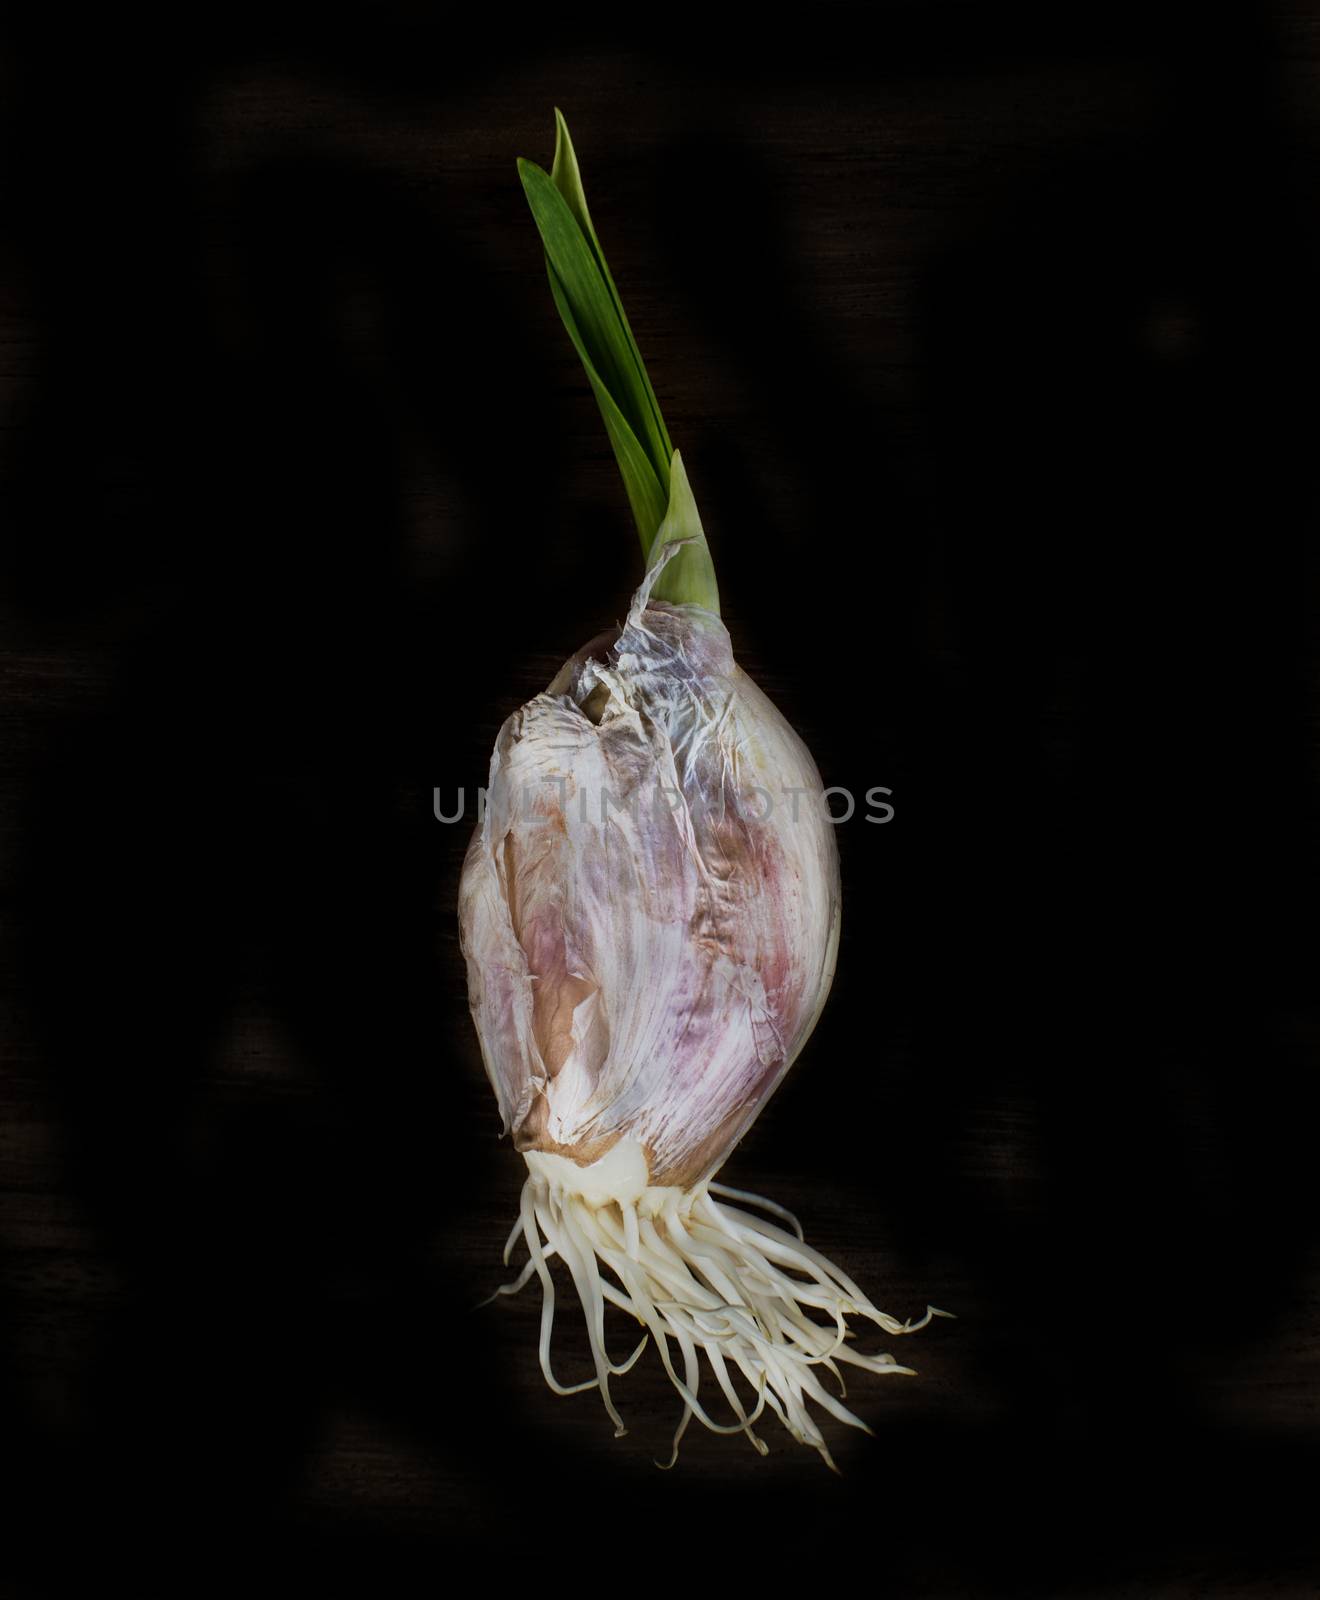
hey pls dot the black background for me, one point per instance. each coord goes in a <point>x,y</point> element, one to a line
<point>990,341</point>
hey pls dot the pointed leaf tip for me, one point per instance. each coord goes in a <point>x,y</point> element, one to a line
<point>589,305</point>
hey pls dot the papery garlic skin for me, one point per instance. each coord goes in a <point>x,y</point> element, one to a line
<point>650,905</point>
<point>650,914</point>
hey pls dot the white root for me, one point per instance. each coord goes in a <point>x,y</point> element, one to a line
<point>715,1280</point>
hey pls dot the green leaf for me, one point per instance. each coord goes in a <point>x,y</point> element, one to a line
<point>567,178</point>
<point>645,495</point>
<point>600,335</point>
<point>689,576</point>
<point>589,305</point>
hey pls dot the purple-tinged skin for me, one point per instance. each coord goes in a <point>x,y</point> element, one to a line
<point>650,918</point>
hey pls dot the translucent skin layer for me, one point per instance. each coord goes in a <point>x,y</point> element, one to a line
<point>649,913</point>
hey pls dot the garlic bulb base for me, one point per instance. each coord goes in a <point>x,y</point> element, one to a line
<point>704,1279</point>
<point>621,1174</point>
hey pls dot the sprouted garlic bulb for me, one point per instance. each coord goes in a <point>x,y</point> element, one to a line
<point>649,911</point>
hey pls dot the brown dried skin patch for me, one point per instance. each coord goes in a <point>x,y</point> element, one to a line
<point>532,1133</point>
<point>593,707</point>
<point>557,991</point>
<point>704,1159</point>
<point>601,649</point>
